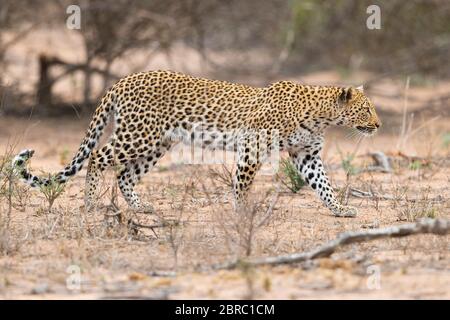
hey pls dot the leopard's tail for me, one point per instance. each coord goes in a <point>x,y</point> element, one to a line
<point>96,127</point>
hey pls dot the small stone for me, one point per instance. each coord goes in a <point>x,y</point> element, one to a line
<point>41,288</point>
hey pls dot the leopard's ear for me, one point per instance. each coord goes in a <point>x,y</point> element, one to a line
<point>360,88</point>
<point>345,96</point>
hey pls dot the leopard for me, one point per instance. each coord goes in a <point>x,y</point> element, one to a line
<point>153,111</point>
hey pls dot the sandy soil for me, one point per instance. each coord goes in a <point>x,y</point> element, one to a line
<point>44,247</point>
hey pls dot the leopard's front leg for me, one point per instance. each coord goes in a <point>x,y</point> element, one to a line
<point>310,167</point>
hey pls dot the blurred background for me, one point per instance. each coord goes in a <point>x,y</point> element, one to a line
<point>51,66</point>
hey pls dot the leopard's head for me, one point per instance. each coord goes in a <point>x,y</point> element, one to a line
<point>357,111</point>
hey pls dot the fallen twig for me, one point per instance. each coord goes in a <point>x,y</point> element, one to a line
<point>382,162</point>
<point>433,226</point>
<point>168,274</point>
<point>369,194</point>
<point>134,224</point>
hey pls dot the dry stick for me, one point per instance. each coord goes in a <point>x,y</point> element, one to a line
<point>134,224</point>
<point>433,226</point>
<point>369,194</point>
<point>382,162</point>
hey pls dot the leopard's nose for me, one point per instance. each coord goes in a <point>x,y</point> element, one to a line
<point>378,124</point>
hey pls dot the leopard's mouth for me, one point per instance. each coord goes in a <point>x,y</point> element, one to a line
<point>368,130</point>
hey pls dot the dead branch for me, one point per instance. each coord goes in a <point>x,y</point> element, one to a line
<point>134,224</point>
<point>224,175</point>
<point>369,194</point>
<point>381,161</point>
<point>72,67</point>
<point>432,226</point>
<point>168,274</point>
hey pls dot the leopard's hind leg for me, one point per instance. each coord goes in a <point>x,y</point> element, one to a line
<point>129,176</point>
<point>98,162</point>
<point>248,163</point>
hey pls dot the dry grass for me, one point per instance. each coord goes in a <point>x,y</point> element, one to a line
<point>12,196</point>
<point>195,228</point>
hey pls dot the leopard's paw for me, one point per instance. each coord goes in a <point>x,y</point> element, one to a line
<point>146,208</point>
<point>346,211</point>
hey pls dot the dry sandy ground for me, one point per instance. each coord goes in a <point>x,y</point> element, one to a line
<point>113,262</point>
